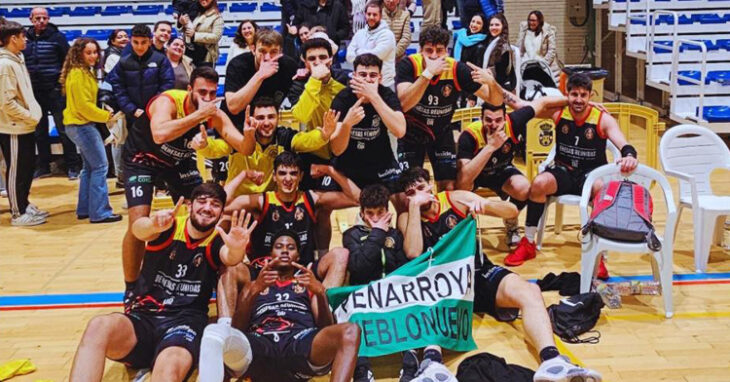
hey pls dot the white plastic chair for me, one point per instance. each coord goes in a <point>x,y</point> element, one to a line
<point>594,246</point>
<point>690,153</point>
<point>562,200</point>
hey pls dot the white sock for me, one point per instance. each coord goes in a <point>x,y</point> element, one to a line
<point>530,233</point>
<point>222,344</point>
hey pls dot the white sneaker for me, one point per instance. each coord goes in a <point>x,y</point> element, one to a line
<point>431,371</point>
<point>4,193</point>
<point>33,210</point>
<point>27,219</point>
<point>559,369</point>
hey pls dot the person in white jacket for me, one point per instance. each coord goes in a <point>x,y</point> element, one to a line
<point>19,115</point>
<point>378,39</point>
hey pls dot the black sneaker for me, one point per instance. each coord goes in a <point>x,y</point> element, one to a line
<point>41,173</point>
<point>363,374</point>
<point>410,366</point>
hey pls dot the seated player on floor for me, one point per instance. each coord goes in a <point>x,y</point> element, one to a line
<point>497,291</point>
<point>289,332</point>
<point>164,323</point>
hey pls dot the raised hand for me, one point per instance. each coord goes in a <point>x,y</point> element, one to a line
<point>250,124</point>
<point>292,29</point>
<point>329,125</point>
<point>267,277</point>
<point>481,75</point>
<point>421,198</point>
<point>364,89</point>
<point>239,235</point>
<point>269,68</point>
<point>306,278</point>
<point>164,219</point>
<point>319,170</point>
<point>200,141</point>
<point>496,139</point>
<point>300,74</point>
<point>257,177</point>
<point>383,222</point>
<point>355,114</point>
<point>436,66</point>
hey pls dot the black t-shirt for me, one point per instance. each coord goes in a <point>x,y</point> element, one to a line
<point>369,148</point>
<point>243,67</point>
<point>515,128</point>
<point>434,110</point>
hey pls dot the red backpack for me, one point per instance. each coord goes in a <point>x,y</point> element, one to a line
<point>622,211</point>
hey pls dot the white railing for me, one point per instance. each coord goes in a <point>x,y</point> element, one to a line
<point>675,77</point>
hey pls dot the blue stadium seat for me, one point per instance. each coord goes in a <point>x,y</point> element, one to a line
<point>685,20</point>
<point>221,91</point>
<point>85,11</point>
<point>222,7</point>
<point>413,27</point>
<point>277,28</point>
<point>242,7</point>
<point>169,9</point>
<point>715,114</point>
<point>58,11</point>
<point>456,24</point>
<point>710,18</point>
<point>694,74</point>
<point>720,76</point>
<point>116,10</point>
<point>230,31</point>
<point>668,45</point>
<point>270,7</point>
<point>708,44</point>
<point>98,34</point>
<point>222,59</point>
<point>723,44</point>
<point>341,55</point>
<point>71,34</point>
<point>18,12</point>
<point>147,9</point>
<point>410,51</point>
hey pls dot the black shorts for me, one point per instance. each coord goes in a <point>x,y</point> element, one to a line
<point>496,180</point>
<point>156,333</point>
<point>486,283</point>
<point>570,182</point>
<point>441,153</point>
<point>365,177</point>
<point>140,181</point>
<point>309,183</point>
<point>283,357</point>
<point>219,170</point>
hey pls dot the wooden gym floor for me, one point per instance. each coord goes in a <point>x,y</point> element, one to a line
<point>69,262</point>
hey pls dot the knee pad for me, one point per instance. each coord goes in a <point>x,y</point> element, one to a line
<point>237,353</point>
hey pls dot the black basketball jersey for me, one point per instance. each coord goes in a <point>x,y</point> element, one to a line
<point>448,217</point>
<point>581,145</point>
<point>142,148</point>
<point>277,215</point>
<point>435,109</point>
<point>178,273</point>
<point>282,308</point>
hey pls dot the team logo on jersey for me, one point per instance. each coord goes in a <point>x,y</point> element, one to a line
<point>451,222</point>
<point>506,147</point>
<point>299,214</point>
<point>376,121</point>
<point>275,216</point>
<point>198,259</point>
<point>446,90</point>
<point>389,242</point>
<point>298,289</point>
<point>565,129</point>
<point>360,145</point>
<point>546,134</point>
<point>589,133</point>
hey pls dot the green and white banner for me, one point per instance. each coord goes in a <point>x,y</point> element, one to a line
<point>428,301</point>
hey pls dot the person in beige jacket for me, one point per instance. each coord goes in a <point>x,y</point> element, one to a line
<point>537,41</point>
<point>19,115</point>
<point>205,31</point>
<point>399,21</point>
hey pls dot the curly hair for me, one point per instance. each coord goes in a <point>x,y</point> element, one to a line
<point>75,59</point>
<point>238,39</point>
<point>435,35</point>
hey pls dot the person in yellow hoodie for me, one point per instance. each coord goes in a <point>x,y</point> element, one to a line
<point>79,83</point>
<point>19,115</point>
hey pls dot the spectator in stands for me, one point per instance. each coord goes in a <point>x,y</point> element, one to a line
<point>329,13</point>
<point>288,13</point>
<point>79,84</point>
<point>140,76</point>
<point>244,40</point>
<point>44,54</point>
<point>203,34</point>
<point>182,65</point>
<point>469,8</point>
<point>537,41</point>
<point>264,72</point>
<point>19,114</point>
<point>378,39</point>
<point>399,21</point>
<point>501,59</point>
<point>293,42</point>
<point>118,40</point>
<point>470,43</point>
<point>161,35</point>
<point>431,12</point>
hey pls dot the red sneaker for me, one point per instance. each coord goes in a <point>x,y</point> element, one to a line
<point>524,251</point>
<point>602,271</point>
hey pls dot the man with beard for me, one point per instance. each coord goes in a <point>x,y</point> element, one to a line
<point>159,147</point>
<point>497,291</point>
<point>163,325</point>
<point>581,132</point>
<point>291,208</point>
<point>375,38</point>
<point>283,329</point>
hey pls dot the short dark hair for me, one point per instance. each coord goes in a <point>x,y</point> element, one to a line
<point>8,29</point>
<point>367,59</point>
<point>314,43</point>
<point>206,72</point>
<point>141,30</point>
<point>288,159</point>
<point>374,196</point>
<point>288,233</point>
<point>580,80</point>
<point>157,24</point>
<point>435,35</point>
<point>489,106</point>
<point>412,175</point>
<point>264,102</point>
<point>375,4</point>
<point>211,190</point>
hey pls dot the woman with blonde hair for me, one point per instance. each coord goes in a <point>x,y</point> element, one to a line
<point>79,83</point>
